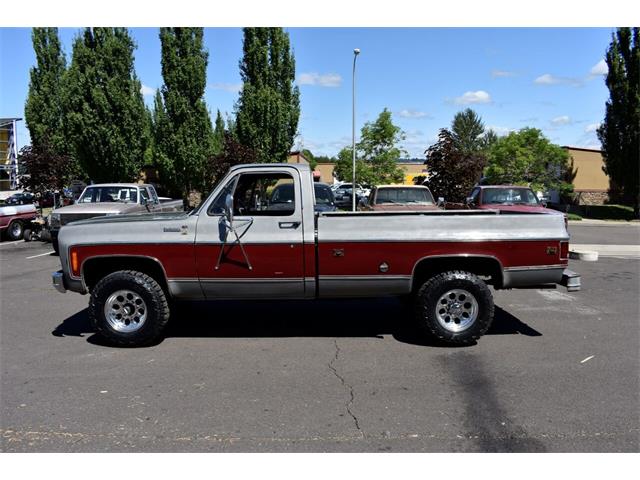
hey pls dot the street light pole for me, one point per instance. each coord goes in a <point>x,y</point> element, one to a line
<point>356,52</point>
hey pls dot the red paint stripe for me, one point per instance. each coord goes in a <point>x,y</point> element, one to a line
<point>286,260</point>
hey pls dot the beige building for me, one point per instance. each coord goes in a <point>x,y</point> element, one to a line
<point>590,183</point>
<point>324,171</point>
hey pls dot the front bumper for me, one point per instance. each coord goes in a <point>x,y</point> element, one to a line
<point>571,280</point>
<point>58,281</point>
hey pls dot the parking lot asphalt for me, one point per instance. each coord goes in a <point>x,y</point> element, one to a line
<point>557,372</point>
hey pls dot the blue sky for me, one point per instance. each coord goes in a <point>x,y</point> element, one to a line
<point>549,78</point>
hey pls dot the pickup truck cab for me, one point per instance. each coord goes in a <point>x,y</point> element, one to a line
<point>108,199</point>
<point>234,246</point>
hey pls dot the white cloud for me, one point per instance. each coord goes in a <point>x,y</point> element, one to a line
<point>591,128</point>
<point>321,80</point>
<point>227,87</point>
<point>479,96</point>
<point>147,91</point>
<point>548,79</point>
<point>598,69</point>
<point>502,73</point>
<point>500,131</point>
<point>561,120</point>
<point>412,114</point>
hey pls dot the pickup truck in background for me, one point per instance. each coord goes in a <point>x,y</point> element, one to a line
<point>400,197</point>
<point>102,200</point>
<point>14,219</point>
<point>235,247</point>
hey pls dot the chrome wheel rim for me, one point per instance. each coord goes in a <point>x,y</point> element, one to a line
<point>125,311</point>
<point>16,229</point>
<point>456,310</point>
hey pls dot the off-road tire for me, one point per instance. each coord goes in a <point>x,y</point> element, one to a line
<point>157,308</point>
<point>27,235</point>
<point>427,304</point>
<point>15,230</point>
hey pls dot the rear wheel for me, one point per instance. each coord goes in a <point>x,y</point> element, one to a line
<point>27,234</point>
<point>15,230</point>
<point>455,307</point>
<point>128,308</point>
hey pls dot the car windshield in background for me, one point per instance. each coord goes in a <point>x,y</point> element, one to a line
<point>109,194</point>
<point>323,195</point>
<point>513,196</point>
<point>404,195</point>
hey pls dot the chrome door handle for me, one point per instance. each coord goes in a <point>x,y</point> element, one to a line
<point>288,224</point>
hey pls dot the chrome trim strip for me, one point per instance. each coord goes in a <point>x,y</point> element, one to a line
<point>252,280</point>
<point>534,267</point>
<point>364,277</point>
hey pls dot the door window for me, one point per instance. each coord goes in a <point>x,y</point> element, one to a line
<point>258,194</point>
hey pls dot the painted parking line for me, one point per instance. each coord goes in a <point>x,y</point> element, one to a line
<point>40,255</point>
<point>11,243</point>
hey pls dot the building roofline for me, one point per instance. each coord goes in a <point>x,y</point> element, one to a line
<point>583,149</point>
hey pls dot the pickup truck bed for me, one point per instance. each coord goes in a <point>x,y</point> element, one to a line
<point>253,252</point>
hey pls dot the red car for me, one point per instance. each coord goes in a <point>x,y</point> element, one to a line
<point>507,198</point>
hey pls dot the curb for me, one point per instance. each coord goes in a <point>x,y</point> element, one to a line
<point>586,255</point>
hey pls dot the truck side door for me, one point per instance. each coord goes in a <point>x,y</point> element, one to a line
<point>266,258</point>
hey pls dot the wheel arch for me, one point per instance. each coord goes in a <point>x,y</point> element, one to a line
<point>478,264</point>
<point>94,268</point>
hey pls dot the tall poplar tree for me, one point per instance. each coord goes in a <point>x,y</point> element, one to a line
<point>182,131</point>
<point>218,135</point>
<point>106,119</point>
<point>268,109</point>
<point>44,110</point>
<point>620,132</point>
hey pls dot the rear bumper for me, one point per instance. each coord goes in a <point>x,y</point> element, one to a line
<point>571,280</point>
<point>58,281</point>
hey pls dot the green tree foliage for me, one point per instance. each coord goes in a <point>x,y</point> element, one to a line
<point>467,129</point>
<point>232,153</point>
<point>182,128</point>
<point>452,172</point>
<point>268,109</point>
<point>107,122</point>
<point>377,154</point>
<point>313,163</point>
<point>620,132</point>
<point>44,112</point>
<point>218,135</point>
<point>527,157</point>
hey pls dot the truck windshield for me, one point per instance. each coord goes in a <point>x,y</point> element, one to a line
<point>109,194</point>
<point>404,195</point>
<point>505,196</point>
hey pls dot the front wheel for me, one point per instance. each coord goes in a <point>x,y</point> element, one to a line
<point>128,309</point>
<point>455,307</point>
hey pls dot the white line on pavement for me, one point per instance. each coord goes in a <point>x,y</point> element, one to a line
<point>587,359</point>
<point>555,295</point>
<point>41,255</point>
<point>10,243</point>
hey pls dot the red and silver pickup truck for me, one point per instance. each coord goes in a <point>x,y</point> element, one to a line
<point>240,245</point>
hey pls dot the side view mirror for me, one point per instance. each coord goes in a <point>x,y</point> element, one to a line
<point>544,203</point>
<point>441,201</point>
<point>144,202</point>
<point>469,201</point>
<point>228,207</point>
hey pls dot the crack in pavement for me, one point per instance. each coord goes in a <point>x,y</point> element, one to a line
<point>345,384</point>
